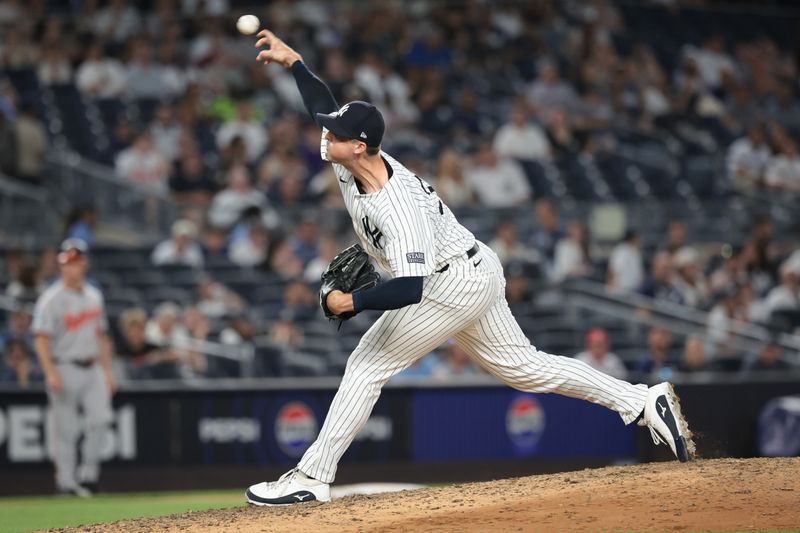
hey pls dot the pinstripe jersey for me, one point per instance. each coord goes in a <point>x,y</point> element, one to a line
<point>404,226</point>
<point>407,229</point>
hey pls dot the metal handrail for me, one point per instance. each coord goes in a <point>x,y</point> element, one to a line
<point>146,212</point>
<point>677,318</point>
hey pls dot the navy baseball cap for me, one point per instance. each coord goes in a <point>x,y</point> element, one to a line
<point>72,249</point>
<point>357,120</point>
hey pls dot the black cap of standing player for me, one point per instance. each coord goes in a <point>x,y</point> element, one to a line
<point>357,120</point>
<point>72,250</point>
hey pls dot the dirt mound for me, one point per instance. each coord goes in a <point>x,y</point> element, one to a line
<point>708,495</point>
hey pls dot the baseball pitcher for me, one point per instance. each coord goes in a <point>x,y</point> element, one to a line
<point>444,284</point>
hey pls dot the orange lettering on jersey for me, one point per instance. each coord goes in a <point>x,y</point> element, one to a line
<point>78,320</point>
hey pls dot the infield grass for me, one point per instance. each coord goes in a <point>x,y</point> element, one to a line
<point>18,514</point>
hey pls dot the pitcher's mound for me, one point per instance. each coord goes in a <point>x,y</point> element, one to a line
<point>712,495</point>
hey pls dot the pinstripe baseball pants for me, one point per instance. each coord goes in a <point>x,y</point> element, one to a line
<point>466,303</point>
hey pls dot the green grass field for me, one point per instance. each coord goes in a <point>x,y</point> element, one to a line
<point>34,513</point>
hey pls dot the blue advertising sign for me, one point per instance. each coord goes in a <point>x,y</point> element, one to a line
<point>457,424</point>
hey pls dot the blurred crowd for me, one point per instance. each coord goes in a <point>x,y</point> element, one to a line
<point>470,95</point>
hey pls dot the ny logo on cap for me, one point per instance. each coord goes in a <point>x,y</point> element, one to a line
<point>344,108</point>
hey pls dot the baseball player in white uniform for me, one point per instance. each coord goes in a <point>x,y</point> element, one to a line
<point>70,328</point>
<point>445,284</point>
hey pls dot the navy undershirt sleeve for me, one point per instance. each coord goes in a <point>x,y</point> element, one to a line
<point>394,294</point>
<point>317,97</point>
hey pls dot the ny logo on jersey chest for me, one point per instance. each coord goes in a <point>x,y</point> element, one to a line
<point>373,233</point>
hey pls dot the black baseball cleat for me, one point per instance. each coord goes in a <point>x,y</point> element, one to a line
<point>662,415</point>
<point>291,488</point>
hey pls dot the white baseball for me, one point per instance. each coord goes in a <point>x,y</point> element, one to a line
<point>247,24</point>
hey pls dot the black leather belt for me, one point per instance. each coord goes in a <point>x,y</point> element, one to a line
<point>470,254</point>
<point>84,363</point>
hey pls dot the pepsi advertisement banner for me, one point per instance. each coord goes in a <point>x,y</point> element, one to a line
<point>457,424</point>
<point>266,427</point>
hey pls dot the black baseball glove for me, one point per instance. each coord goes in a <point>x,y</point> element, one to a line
<point>349,271</point>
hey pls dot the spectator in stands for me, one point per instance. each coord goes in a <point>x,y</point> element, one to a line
<point>299,302</point>
<point>191,183</point>
<point>786,108</point>
<point>783,169</point>
<point>456,362</point>
<point>497,182</point>
<point>549,92</point>
<point>144,164</point>
<point>139,356</point>
<point>144,77</point>
<point>215,246</point>
<point>304,240</point>
<point>26,286</point>
<point>116,21</point>
<point>754,309</point>
<point>547,231</point>
<point>48,271</point>
<point>252,250</point>
<point>659,359</point>
<point>253,134</point>
<point>676,236</point>
<point>661,282</point>
<point>768,358</point>
<point>53,66</point>
<point>215,300</point>
<point>231,202</point>
<point>520,138</point>
<point>18,366</point>
<point>181,249</point>
<point>572,259</point>
<point>100,75</point>
<point>240,332</point>
<point>80,224</point>
<point>326,251</point>
<point>198,328</point>
<point>694,356</point>
<point>18,328</point>
<point>519,293</point>
<point>167,331</point>
<point>563,139</point>
<point>626,266</point>
<point>166,131</point>
<point>786,295</point>
<point>720,323</point>
<point>689,279</point>
<point>449,180</point>
<point>19,51</point>
<point>32,145</point>
<point>732,271</point>
<point>508,247</point>
<point>598,354</point>
<point>748,158</point>
<point>714,64</point>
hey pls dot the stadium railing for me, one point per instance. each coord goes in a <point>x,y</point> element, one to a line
<point>583,295</point>
<point>144,212</point>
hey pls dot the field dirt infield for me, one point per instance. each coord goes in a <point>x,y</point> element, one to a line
<point>705,495</point>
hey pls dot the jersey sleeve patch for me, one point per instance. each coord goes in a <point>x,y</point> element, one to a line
<point>416,257</point>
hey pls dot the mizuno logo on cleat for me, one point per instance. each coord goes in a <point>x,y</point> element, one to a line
<point>301,497</point>
<point>663,410</point>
